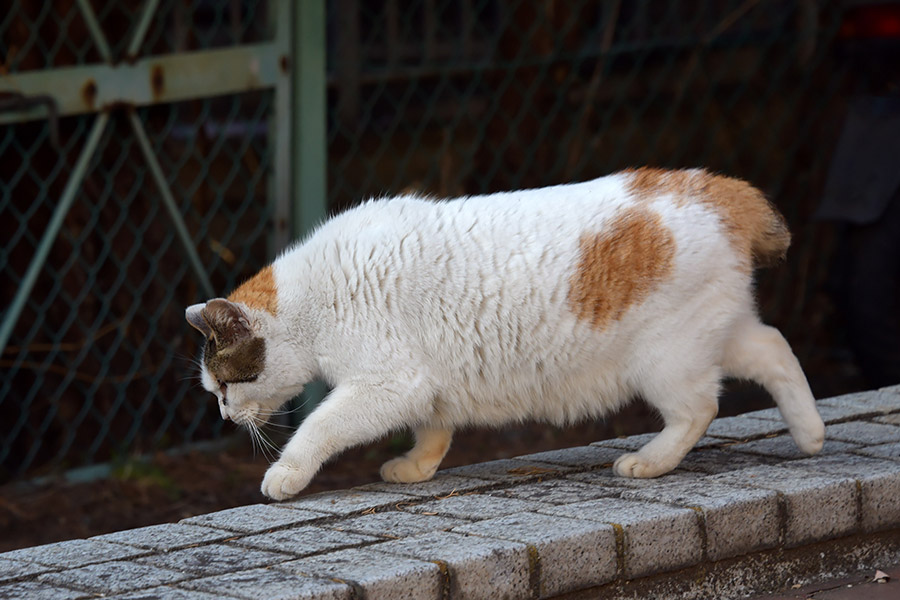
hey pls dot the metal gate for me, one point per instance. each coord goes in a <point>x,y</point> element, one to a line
<point>149,154</point>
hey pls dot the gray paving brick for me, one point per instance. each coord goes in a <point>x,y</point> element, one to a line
<point>113,577</point>
<point>440,485</point>
<point>556,491</point>
<point>817,507</point>
<point>377,575</point>
<point>655,537</point>
<point>607,483</point>
<point>478,567</point>
<point>893,419</point>
<point>213,559</point>
<point>861,432</point>
<point>829,413</point>
<point>586,457</point>
<point>509,470</point>
<point>631,442</point>
<point>72,553</point>
<point>723,460</point>
<point>165,592</point>
<point>167,536</point>
<point>345,502</point>
<point>738,520</point>
<point>254,518</point>
<point>395,524</point>
<point>14,569</point>
<point>636,442</point>
<point>34,590</point>
<point>573,553</point>
<point>864,404</point>
<point>783,446</point>
<point>891,389</point>
<point>271,584</point>
<point>743,427</point>
<point>879,484</point>
<point>769,414</point>
<point>475,507</point>
<point>302,541</point>
<point>882,451</point>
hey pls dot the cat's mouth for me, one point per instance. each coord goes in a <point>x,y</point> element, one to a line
<point>251,416</point>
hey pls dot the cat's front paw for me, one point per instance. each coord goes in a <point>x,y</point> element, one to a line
<point>406,470</point>
<point>635,465</point>
<point>282,481</point>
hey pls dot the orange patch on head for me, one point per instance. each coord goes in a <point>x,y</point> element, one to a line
<point>619,267</point>
<point>755,228</point>
<point>258,292</point>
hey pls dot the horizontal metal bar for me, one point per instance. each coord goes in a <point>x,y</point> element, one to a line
<point>151,80</point>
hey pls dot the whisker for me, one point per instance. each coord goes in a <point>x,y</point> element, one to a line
<point>293,410</point>
<point>265,445</point>
<point>252,441</point>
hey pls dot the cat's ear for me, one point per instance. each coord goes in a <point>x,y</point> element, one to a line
<point>194,316</point>
<point>227,321</point>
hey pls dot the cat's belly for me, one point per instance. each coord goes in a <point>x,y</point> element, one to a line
<point>566,396</point>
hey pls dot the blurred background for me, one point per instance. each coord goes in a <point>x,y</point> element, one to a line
<point>155,153</point>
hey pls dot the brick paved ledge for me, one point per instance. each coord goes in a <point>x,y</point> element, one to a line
<point>744,514</point>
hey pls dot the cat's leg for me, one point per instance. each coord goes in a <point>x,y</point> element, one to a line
<point>420,463</point>
<point>352,414</point>
<point>759,352</point>
<point>688,405</point>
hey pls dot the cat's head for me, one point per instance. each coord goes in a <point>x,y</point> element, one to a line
<point>246,361</point>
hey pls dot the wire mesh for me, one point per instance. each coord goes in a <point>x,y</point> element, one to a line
<point>447,97</point>
<point>464,97</point>
<point>100,361</point>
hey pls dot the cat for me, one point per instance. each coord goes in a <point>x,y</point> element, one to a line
<point>557,304</point>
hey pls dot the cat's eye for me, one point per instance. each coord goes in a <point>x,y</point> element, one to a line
<point>223,387</point>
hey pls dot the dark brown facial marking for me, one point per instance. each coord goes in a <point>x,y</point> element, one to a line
<point>227,321</point>
<point>232,353</point>
<point>240,362</point>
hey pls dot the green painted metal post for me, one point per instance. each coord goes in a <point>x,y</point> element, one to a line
<point>309,126</point>
<point>308,134</point>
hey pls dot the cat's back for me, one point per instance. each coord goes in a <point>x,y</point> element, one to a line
<point>645,225</point>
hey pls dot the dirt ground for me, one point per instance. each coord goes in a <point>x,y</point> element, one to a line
<point>167,487</point>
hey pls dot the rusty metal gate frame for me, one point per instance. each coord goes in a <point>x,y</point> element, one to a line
<point>295,55</point>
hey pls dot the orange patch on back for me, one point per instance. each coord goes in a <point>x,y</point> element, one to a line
<point>258,292</point>
<point>755,228</point>
<point>620,266</point>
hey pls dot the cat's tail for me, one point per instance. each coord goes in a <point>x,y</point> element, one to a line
<point>770,237</point>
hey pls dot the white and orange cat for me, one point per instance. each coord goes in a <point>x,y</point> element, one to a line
<point>558,304</point>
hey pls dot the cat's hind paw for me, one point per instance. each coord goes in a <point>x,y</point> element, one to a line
<point>405,470</point>
<point>283,481</point>
<point>634,465</point>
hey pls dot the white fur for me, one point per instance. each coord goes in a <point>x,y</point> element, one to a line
<point>438,315</point>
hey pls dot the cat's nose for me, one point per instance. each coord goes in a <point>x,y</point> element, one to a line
<point>224,414</point>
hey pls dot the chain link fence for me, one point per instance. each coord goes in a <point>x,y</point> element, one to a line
<point>468,97</point>
<point>99,360</point>
<point>443,97</point>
